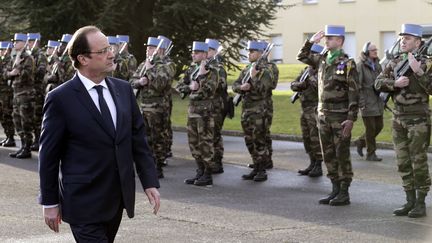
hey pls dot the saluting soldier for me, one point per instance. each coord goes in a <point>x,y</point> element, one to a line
<point>200,85</point>
<point>256,90</point>
<point>337,108</point>
<point>21,73</point>
<point>130,60</point>
<point>41,63</point>
<point>152,79</point>
<point>306,84</point>
<point>168,133</point>
<point>62,70</point>
<point>370,103</point>
<point>6,96</point>
<point>411,123</point>
<point>221,97</point>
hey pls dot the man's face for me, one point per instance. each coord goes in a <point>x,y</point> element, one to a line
<point>31,43</point>
<point>49,51</point>
<point>253,55</point>
<point>409,43</point>
<point>333,42</point>
<point>19,45</point>
<point>373,51</point>
<point>115,48</point>
<point>101,60</point>
<point>3,52</point>
<point>150,50</point>
<point>211,53</point>
<point>198,56</point>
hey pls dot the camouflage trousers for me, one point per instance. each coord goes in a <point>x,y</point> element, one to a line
<point>23,116</point>
<point>309,127</point>
<point>335,147</point>
<point>219,118</point>
<point>38,111</point>
<point>168,131</point>
<point>269,120</point>
<point>201,139</point>
<point>411,137</point>
<point>255,124</point>
<point>6,109</point>
<point>155,122</point>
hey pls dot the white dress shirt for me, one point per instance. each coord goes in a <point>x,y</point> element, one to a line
<point>89,85</point>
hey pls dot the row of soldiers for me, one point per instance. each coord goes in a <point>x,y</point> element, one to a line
<point>329,92</point>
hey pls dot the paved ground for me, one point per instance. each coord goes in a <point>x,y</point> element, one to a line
<point>282,209</point>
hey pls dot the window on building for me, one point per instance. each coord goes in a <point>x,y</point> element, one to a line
<point>350,44</point>
<point>310,1</point>
<point>277,51</point>
<point>387,39</point>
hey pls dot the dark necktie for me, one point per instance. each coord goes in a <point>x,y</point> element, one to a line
<point>106,114</point>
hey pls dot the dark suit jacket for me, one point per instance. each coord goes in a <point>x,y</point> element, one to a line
<point>96,167</point>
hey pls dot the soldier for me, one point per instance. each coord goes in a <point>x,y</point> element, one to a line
<point>41,63</point>
<point>168,132</point>
<point>410,90</point>
<point>6,96</point>
<point>124,53</point>
<point>306,84</point>
<point>121,71</point>
<point>371,105</point>
<point>200,84</point>
<point>337,108</point>
<point>152,78</point>
<point>20,72</point>
<point>221,97</point>
<point>51,50</point>
<point>62,70</point>
<point>256,89</point>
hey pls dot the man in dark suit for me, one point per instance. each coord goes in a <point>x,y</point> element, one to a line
<point>92,136</point>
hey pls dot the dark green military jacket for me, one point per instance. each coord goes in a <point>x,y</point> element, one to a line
<point>23,82</point>
<point>412,99</point>
<point>5,60</point>
<point>337,82</point>
<point>308,88</point>
<point>41,63</point>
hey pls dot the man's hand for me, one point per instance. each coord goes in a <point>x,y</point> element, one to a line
<point>401,82</point>
<point>245,87</point>
<point>414,64</point>
<point>148,65</point>
<point>194,85</point>
<point>202,70</point>
<point>316,38</point>
<point>154,198</point>
<point>143,81</point>
<point>347,126</point>
<point>13,73</point>
<point>52,218</point>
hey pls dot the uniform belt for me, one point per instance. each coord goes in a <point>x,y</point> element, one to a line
<point>202,102</point>
<point>152,99</point>
<point>253,103</point>
<point>417,108</point>
<point>335,106</point>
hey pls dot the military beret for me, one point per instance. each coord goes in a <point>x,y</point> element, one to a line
<point>412,29</point>
<point>334,30</point>
<point>5,44</point>
<point>255,45</point>
<point>200,46</point>
<point>153,41</point>
<point>66,38</point>
<point>166,42</point>
<point>33,36</point>
<point>123,38</point>
<point>112,40</point>
<point>212,43</point>
<point>20,37</point>
<point>52,43</point>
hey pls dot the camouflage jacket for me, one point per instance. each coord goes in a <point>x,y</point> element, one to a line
<point>308,88</point>
<point>23,82</point>
<point>207,84</point>
<point>412,99</point>
<point>131,65</point>
<point>369,102</point>
<point>3,69</point>
<point>122,69</point>
<point>41,63</point>
<point>337,82</point>
<point>222,85</point>
<point>65,71</point>
<point>261,85</point>
<point>160,77</point>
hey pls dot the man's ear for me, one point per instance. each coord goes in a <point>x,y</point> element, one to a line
<point>82,60</point>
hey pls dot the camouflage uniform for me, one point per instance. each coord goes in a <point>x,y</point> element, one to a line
<point>201,122</point>
<point>168,133</point>
<point>275,71</point>
<point>126,66</point>
<point>153,101</point>
<point>131,63</point>
<point>41,63</point>
<point>65,72</point>
<point>255,114</point>
<point>6,96</point>
<point>308,119</point>
<point>23,93</point>
<point>219,113</point>
<point>411,123</point>
<point>337,102</point>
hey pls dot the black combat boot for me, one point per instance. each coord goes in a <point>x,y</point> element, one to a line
<point>360,145</point>
<point>218,169</point>
<point>407,207</point>
<point>260,176</point>
<point>342,197</point>
<point>333,193</point>
<point>373,157</point>
<point>268,166</point>
<point>190,181</point>
<point>35,145</point>
<point>14,154</point>
<point>251,175</point>
<point>308,169</point>
<point>25,152</point>
<point>419,209</point>
<point>317,170</point>
<point>9,142</point>
<point>204,180</point>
